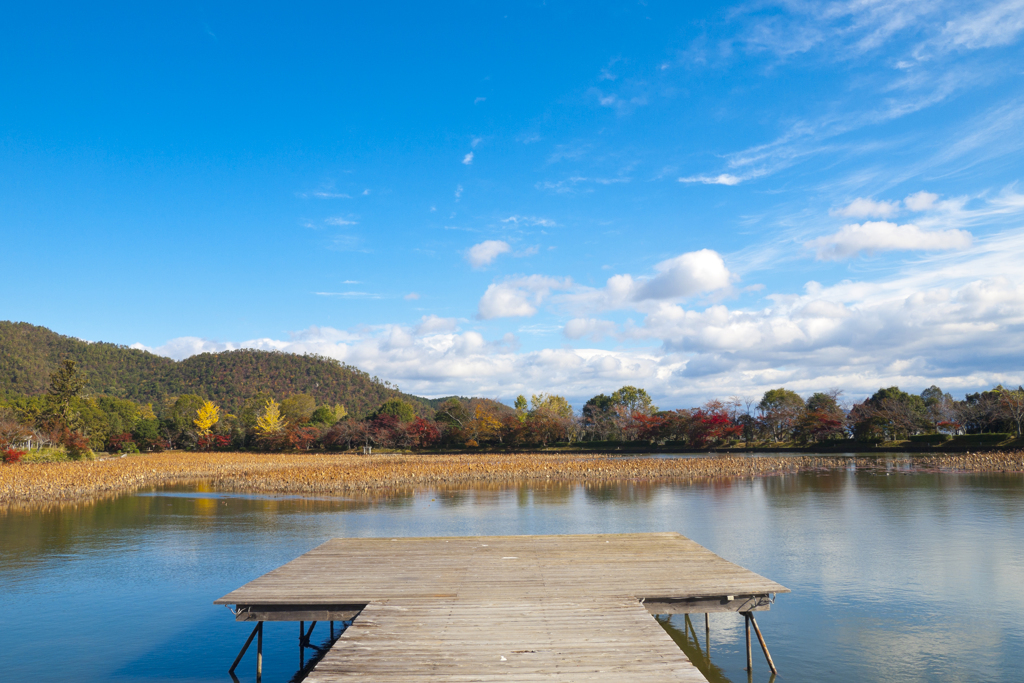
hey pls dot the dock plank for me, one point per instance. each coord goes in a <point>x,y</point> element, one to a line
<point>509,608</point>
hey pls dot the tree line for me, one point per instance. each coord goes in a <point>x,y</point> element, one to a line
<point>68,417</point>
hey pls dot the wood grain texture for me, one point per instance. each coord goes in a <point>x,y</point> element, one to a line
<point>509,608</point>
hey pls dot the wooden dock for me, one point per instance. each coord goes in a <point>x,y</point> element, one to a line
<point>486,608</point>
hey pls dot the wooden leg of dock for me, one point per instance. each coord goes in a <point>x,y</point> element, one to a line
<point>244,648</point>
<point>259,654</point>
<point>760,639</point>
<point>707,622</point>
<point>332,631</point>
<point>746,619</point>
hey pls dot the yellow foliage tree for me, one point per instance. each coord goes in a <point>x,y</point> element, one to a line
<point>486,425</point>
<point>206,416</point>
<point>271,421</point>
<point>339,412</point>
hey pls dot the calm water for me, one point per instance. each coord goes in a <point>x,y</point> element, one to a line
<point>900,577</point>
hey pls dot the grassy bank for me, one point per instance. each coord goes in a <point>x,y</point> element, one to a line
<point>340,473</point>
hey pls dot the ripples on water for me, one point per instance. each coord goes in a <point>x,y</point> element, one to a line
<point>895,577</point>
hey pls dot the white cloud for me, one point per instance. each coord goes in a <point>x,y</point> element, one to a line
<point>339,221</point>
<point>997,24</point>
<point>518,297</point>
<point>952,319</point>
<point>411,296</point>
<point>921,201</point>
<point>475,142</point>
<point>530,220</point>
<point>468,159</point>
<point>722,179</point>
<point>577,328</point>
<point>483,254</point>
<point>875,236</point>
<point>479,100</point>
<point>458,192</point>
<point>869,208</point>
<point>680,277</point>
<point>432,324</point>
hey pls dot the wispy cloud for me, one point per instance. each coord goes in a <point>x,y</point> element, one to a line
<point>877,236</point>
<point>468,159</point>
<point>529,220</point>
<point>721,179</point>
<point>340,221</point>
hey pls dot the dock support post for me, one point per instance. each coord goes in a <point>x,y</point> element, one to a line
<point>332,631</point>
<point>245,647</point>
<point>707,623</point>
<point>746,619</point>
<point>764,647</point>
<point>259,654</point>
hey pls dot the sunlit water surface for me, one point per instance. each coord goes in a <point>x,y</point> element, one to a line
<point>895,577</point>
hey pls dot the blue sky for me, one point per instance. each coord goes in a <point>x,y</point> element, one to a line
<point>493,199</point>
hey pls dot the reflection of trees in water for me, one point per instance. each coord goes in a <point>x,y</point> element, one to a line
<point>620,492</point>
<point>548,493</point>
<point>60,528</point>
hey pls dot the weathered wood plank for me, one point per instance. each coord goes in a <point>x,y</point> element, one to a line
<point>508,608</point>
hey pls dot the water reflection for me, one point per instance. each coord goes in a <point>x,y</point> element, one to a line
<point>895,576</point>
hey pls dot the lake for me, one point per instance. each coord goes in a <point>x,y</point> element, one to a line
<point>895,576</point>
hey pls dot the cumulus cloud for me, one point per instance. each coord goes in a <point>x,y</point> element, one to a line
<point>468,159</point>
<point>577,328</point>
<point>518,297</point>
<point>875,236</point>
<point>868,208</point>
<point>483,254</point>
<point>954,319</point>
<point>722,179</point>
<point>680,277</point>
<point>921,201</point>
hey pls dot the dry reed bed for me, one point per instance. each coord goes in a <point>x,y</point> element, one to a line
<point>338,473</point>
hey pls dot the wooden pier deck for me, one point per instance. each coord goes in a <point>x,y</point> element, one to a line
<point>510,608</point>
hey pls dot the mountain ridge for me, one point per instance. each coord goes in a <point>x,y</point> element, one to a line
<point>29,353</point>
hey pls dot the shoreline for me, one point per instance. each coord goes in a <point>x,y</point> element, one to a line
<point>345,473</point>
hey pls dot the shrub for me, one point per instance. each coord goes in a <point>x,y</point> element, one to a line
<point>980,439</point>
<point>11,456</point>
<point>213,442</point>
<point>77,445</point>
<point>122,443</point>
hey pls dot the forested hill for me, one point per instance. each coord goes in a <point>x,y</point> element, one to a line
<point>28,354</point>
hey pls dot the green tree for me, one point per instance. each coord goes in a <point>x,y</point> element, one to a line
<point>66,384</point>
<point>298,408</point>
<point>399,408</point>
<point>184,411</point>
<point>452,413</point>
<point>520,407</point>
<point>252,408</point>
<point>550,405</point>
<point>780,409</point>
<point>599,416</point>
<point>634,400</point>
<point>323,416</point>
